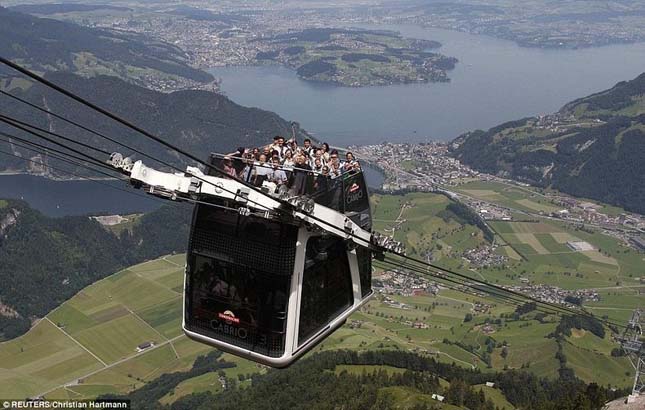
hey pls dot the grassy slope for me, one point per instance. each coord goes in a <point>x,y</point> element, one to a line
<point>591,149</point>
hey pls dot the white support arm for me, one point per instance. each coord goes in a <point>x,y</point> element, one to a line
<point>184,186</point>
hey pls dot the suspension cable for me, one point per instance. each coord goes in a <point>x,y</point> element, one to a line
<point>58,154</point>
<point>82,154</point>
<point>81,176</point>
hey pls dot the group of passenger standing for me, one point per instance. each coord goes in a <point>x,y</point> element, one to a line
<point>300,169</point>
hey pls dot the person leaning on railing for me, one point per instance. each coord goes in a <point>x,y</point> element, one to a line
<point>322,183</point>
<point>350,163</point>
<point>300,178</point>
<point>262,170</point>
<point>278,176</point>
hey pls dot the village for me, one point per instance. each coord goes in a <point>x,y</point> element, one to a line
<point>428,167</point>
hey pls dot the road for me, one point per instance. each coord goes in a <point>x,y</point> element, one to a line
<point>74,381</point>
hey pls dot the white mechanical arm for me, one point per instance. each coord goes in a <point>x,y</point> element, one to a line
<point>195,185</point>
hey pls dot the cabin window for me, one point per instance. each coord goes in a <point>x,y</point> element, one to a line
<point>326,285</point>
<point>239,305</point>
<point>240,270</point>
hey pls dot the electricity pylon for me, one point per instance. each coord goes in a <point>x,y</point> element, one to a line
<point>633,345</point>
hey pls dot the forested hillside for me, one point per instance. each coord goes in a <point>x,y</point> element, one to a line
<point>197,121</point>
<point>593,147</point>
<point>49,45</point>
<point>309,382</point>
<point>45,260</point>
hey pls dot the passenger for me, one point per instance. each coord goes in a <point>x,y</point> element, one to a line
<point>229,169</point>
<point>278,145</point>
<point>292,144</point>
<point>301,174</point>
<point>318,165</point>
<point>237,157</point>
<point>334,165</point>
<point>350,164</point>
<point>249,171</point>
<point>308,149</point>
<point>322,181</point>
<point>326,153</point>
<point>319,155</point>
<point>262,170</point>
<point>277,176</point>
<point>266,151</point>
<point>256,153</point>
<point>288,159</point>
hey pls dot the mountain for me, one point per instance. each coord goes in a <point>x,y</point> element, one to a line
<point>44,44</point>
<point>197,121</point>
<point>594,147</point>
<point>45,261</point>
<point>54,8</point>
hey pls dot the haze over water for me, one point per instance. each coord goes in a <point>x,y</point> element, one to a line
<point>495,81</point>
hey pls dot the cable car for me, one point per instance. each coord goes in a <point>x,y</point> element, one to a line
<point>264,281</point>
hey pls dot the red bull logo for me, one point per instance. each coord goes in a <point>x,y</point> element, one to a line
<point>228,317</point>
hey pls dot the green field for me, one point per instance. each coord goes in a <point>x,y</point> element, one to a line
<point>90,342</point>
<point>511,196</point>
<point>424,225</point>
<point>547,259</point>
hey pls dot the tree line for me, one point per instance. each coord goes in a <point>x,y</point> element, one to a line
<point>315,383</point>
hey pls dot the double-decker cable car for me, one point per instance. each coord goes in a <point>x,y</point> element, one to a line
<point>264,281</point>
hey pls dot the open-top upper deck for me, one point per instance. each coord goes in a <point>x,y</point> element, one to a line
<point>346,192</point>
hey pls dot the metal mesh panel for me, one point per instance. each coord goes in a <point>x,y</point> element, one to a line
<point>275,258</point>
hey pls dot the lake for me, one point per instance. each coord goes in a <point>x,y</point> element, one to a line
<point>64,198</point>
<point>495,81</point>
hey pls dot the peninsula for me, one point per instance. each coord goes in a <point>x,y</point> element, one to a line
<point>354,57</point>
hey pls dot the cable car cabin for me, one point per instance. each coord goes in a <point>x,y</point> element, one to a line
<point>270,290</point>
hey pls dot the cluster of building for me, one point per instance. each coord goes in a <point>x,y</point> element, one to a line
<point>419,167</point>
<point>628,227</point>
<point>559,122</point>
<point>484,256</point>
<point>395,283</point>
<point>554,294</point>
<point>211,42</point>
<point>584,211</point>
<point>396,304</point>
<point>525,24</point>
<point>487,210</point>
<point>481,308</point>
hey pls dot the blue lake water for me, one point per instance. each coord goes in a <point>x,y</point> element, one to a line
<point>495,81</point>
<point>64,198</point>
